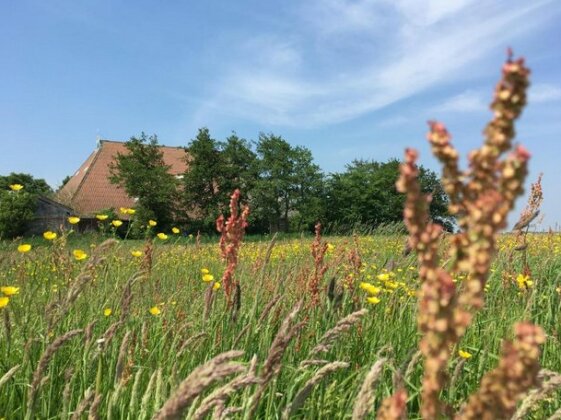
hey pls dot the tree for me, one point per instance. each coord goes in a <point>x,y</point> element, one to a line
<point>17,210</point>
<point>203,177</point>
<point>308,189</point>
<point>144,175</point>
<point>366,194</point>
<point>65,181</point>
<point>32,185</point>
<point>288,184</point>
<point>239,167</point>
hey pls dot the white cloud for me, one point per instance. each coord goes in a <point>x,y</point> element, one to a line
<point>319,77</point>
<point>468,101</point>
<point>394,121</point>
<point>544,93</point>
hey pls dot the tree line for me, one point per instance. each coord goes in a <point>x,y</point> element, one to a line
<point>285,189</point>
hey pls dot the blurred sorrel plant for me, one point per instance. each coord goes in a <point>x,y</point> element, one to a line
<point>528,215</point>
<point>232,233</point>
<point>480,198</point>
<point>319,248</point>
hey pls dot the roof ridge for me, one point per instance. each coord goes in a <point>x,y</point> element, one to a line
<point>124,142</point>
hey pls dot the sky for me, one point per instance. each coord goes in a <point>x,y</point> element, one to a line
<point>347,79</point>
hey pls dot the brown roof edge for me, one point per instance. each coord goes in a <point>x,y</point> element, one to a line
<point>123,142</point>
<point>79,187</point>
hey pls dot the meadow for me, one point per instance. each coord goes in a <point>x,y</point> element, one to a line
<point>429,325</point>
<point>138,335</point>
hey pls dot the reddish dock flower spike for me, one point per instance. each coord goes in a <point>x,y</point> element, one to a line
<point>232,233</point>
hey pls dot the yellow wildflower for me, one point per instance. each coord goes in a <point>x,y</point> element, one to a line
<point>16,187</point>
<point>152,223</point>
<point>175,230</point>
<point>162,236</point>
<point>464,354</point>
<point>9,290</point>
<point>4,301</point>
<point>49,236</point>
<point>101,217</point>
<point>73,220</point>
<point>524,282</point>
<point>330,247</point>
<point>123,210</point>
<point>204,271</point>
<point>373,300</point>
<point>208,278</point>
<point>131,211</point>
<point>370,288</point>
<point>136,253</point>
<point>23,248</point>
<point>383,277</point>
<point>216,286</point>
<point>154,310</point>
<point>116,223</point>
<point>79,255</point>
<point>107,311</point>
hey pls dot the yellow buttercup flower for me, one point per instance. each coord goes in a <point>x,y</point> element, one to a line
<point>4,301</point>
<point>131,211</point>
<point>123,210</point>
<point>49,236</point>
<point>204,271</point>
<point>370,288</point>
<point>152,223</point>
<point>101,217</point>
<point>383,277</point>
<point>154,310</point>
<point>136,253</point>
<point>464,354</point>
<point>23,248</point>
<point>73,220</point>
<point>373,300</point>
<point>107,311</point>
<point>79,255</point>
<point>524,282</point>
<point>175,230</point>
<point>330,247</point>
<point>208,278</point>
<point>16,187</point>
<point>216,286</point>
<point>9,290</point>
<point>116,223</point>
<point>162,236</point>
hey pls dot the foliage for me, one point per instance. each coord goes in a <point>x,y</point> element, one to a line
<point>290,185</point>
<point>203,178</point>
<point>143,173</point>
<point>17,210</point>
<point>365,193</point>
<point>32,185</point>
<point>65,181</point>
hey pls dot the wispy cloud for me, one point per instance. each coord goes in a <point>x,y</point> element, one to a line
<point>313,80</point>
<point>544,93</point>
<point>468,101</point>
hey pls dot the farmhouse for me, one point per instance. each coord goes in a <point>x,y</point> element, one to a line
<point>90,191</point>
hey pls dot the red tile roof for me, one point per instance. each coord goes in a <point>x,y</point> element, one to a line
<point>90,190</point>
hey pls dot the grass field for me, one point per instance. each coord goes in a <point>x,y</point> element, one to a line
<point>140,334</point>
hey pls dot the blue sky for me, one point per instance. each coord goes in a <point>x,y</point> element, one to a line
<point>347,79</point>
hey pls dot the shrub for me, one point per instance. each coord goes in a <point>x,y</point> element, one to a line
<point>17,210</point>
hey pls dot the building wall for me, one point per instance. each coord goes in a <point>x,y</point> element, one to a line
<point>49,215</point>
